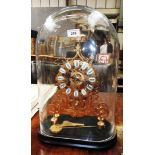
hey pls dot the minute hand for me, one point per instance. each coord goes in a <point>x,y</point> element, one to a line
<point>77,79</point>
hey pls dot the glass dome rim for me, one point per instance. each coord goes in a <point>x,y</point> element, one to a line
<point>71,8</point>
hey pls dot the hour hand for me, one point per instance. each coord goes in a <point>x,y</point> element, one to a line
<point>76,78</point>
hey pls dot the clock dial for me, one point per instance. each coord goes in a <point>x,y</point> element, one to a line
<point>84,65</point>
<point>62,70</point>
<point>83,91</point>
<point>76,77</point>
<point>76,93</point>
<point>62,85</point>
<point>90,71</point>
<point>60,78</point>
<point>68,65</point>
<point>76,63</point>
<point>89,87</point>
<point>92,79</point>
<point>68,91</point>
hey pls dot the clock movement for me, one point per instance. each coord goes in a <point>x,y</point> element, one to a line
<point>77,77</point>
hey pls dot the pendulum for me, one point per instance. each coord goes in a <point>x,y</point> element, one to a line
<point>55,128</point>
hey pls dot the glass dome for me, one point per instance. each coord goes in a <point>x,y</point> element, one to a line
<point>77,60</point>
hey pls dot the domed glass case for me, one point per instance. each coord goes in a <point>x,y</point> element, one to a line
<point>77,60</point>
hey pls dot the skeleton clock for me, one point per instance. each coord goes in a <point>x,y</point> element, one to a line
<point>76,91</point>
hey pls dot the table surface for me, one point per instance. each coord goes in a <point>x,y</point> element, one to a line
<point>39,148</point>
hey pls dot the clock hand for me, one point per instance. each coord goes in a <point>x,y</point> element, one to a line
<point>77,79</point>
<point>73,77</point>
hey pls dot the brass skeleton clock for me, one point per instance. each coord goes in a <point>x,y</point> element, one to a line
<point>76,89</point>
